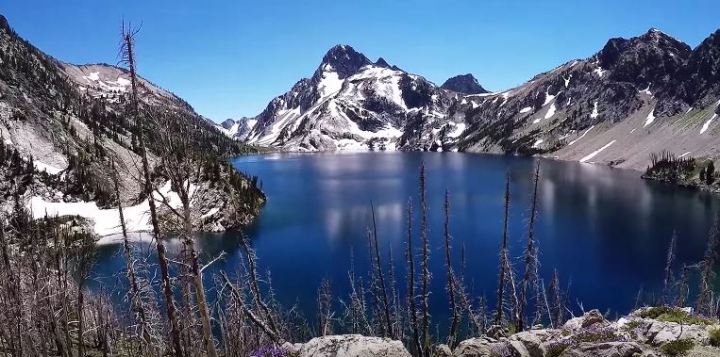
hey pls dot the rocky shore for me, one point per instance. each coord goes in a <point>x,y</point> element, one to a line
<point>649,331</point>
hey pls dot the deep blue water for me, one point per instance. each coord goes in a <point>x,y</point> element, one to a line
<point>605,230</point>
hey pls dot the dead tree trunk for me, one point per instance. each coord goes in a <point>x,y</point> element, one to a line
<point>503,257</point>
<point>380,276</point>
<point>129,57</point>
<point>530,275</point>
<point>412,302</point>
<point>451,282</point>
<point>425,283</point>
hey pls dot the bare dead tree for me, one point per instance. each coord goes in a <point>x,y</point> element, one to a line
<point>134,294</point>
<point>397,331</point>
<point>504,256</point>
<point>425,282</point>
<point>128,57</point>
<point>183,169</point>
<point>452,284</point>
<point>556,305</point>
<point>530,275</point>
<point>255,286</point>
<point>257,321</point>
<point>411,297</point>
<point>683,287</point>
<point>380,289</point>
<point>669,261</point>
<point>324,306</point>
<point>705,302</point>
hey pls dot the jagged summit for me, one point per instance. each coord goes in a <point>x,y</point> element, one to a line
<point>382,63</point>
<point>344,60</point>
<point>464,83</point>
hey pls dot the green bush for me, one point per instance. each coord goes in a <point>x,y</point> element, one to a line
<point>714,334</point>
<point>669,314</point>
<point>677,347</point>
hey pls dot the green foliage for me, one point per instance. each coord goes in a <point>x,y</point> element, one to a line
<point>670,314</point>
<point>677,347</point>
<point>714,336</point>
<point>631,325</point>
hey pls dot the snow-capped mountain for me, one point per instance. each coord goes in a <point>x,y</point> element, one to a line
<point>634,97</point>
<point>352,103</point>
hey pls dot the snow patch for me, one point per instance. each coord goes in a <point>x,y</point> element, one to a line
<point>458,130</point>
<point>550,111</point>
<point>548,97</point>
<point>707,124</point>
<point>581,136</point>
<point>599,71</point>
<point>123,82</point>
<point>595,111</point>
<point>330,83</point>
<point>94,76</point>
<point>107,221</point>
<point>40,166</point>
<point>684,154</point>
<point>537,143</point>
<point>525,110</point>
<point>594,153</point>
<point>650,117</point>
<point>647,91</point>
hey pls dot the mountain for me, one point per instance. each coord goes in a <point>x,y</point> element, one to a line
<point>352,103</point>
<point>69,121</point>
<point>464,83</point>
<point>633,97</point>
<point>237,128</point>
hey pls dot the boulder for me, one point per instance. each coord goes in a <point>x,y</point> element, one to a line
<point>532,341</point>
<point>442,350</point>
<point>605,349</point>
<point>486,347</point>
<point>591,318</point>
<point>661,332</point>
<point>353,346</point>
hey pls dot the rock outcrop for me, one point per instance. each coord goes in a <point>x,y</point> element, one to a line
<point>350,346</point>
<point>645,332</point>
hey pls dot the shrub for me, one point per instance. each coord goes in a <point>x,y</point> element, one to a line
<point>714,334</point>
<point>677,347</point>
<point>669,314</point>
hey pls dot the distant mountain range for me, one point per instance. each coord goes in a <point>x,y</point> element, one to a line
<point>634,97</point>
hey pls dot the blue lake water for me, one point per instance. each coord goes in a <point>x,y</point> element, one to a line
<point>605,230</point>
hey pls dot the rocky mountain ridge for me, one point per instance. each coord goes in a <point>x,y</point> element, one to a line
<point>633,97</point>
<point>70,122</point>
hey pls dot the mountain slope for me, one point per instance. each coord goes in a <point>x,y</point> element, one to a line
<point>70,121</point>
<point>633,97</point>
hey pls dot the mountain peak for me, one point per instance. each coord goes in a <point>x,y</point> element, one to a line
<point>344,60</point>
<point>381,62</point>
<point>4,23</point>
<point>464,83</point>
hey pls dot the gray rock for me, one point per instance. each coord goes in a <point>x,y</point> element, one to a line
<point>352,346</point>
<point>442,350</point>
<point>606,349</point>
<point>486,347</point>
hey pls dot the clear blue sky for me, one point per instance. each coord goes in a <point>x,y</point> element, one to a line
<point>229,58</point>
